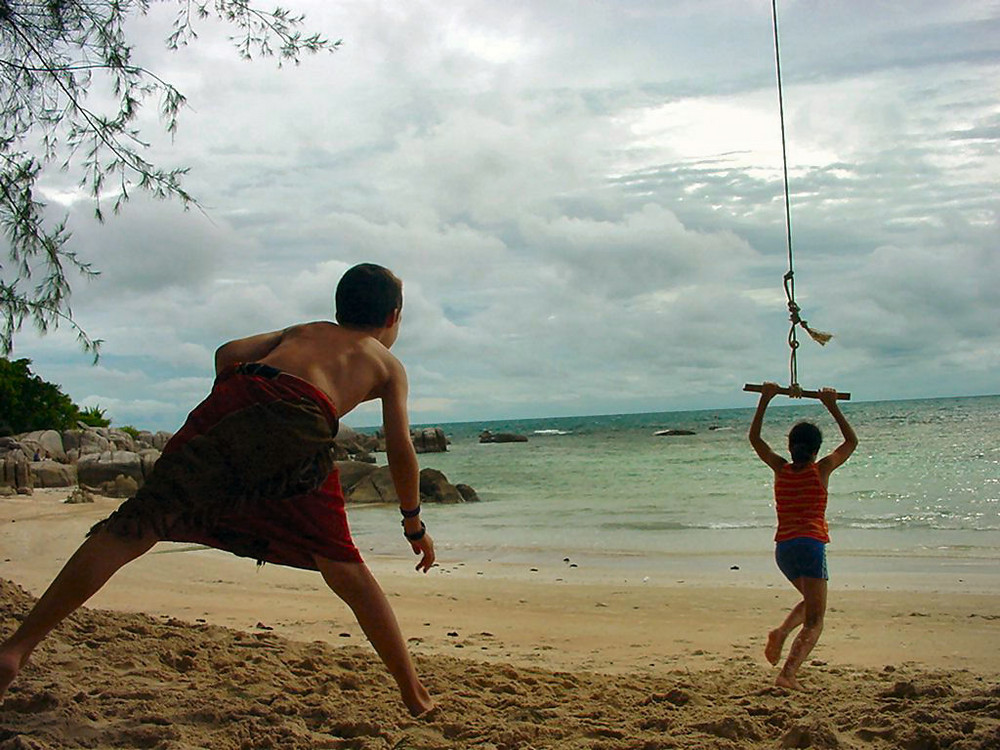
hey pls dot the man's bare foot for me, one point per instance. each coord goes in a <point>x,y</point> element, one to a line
<point>788,682</point>
<point>430,713</point>
<point>420,705</point>
<point>9,667</point>
<point>775,642</point>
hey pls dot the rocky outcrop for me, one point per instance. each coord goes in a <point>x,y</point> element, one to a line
<point>468,494</point>
<point>375,487</point>
<point>121,487</point>
<point>351,444</point>
<point>44,444</point>
<point>53,474</point>
<point>425,440</point>
<point>429,440</point>
<point>501,437</point>
<point>435,488</point>
<point>364,483</point>
<point>669,433</point>
<point>95,469</point>
<point>116,463</point>
<point>15,475</point>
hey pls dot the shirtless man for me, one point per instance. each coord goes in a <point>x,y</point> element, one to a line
<point>251,472</point>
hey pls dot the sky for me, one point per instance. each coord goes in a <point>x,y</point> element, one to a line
<point>583,199</point>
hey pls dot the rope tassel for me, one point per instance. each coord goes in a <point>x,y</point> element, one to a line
<point>820,337</point>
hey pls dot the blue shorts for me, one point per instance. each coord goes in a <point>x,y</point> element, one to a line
<point>801,557</point>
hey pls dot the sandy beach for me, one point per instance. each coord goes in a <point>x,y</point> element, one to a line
<point>190,648</point>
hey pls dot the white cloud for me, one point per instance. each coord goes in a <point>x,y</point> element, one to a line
<point>583,200</point>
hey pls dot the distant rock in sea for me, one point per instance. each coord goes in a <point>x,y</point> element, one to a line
<point>675,432</point>
<point>501,437</point>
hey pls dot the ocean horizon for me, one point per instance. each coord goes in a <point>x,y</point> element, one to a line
<point>924,484</point>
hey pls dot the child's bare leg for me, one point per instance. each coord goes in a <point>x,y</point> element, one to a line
<point>776,638</point>
<point>814,599</point>
<point>90,567</point>
<point>355,584</point>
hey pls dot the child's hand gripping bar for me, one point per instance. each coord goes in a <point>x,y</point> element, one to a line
<point>794,392</point>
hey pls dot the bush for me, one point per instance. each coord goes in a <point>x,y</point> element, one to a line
<point>28,403</point>
<point>93,416</point>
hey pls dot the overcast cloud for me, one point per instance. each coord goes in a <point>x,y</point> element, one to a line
<point>582,198</point>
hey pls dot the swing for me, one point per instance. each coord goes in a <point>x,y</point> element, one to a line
<point>793,390</point>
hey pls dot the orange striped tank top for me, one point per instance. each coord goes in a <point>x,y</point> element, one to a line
<point>800,499</point>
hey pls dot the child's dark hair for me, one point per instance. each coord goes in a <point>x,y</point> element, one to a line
<point>804,440</point>
<point>367,295</point>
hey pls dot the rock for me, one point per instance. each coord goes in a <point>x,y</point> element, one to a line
<point>121,441</point>
<point>675,432</point>
<point>435,487</point>
<point>351,444</point>
<point>79,496</point>
<point>147,458</point>
<point>161,438</point>
<point>468,494</point>
<point>121,486</point>
<point>375,487</point>
<point>429,440</point>
<point>96,469</point>
<point>15,472</point>
<point>352,472</point>
<point>501,437</point>
<point>53,474</point>
<point>85,441</point>
<point>48,444</point>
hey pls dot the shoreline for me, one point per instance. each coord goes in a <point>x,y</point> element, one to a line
<point>610,618</point>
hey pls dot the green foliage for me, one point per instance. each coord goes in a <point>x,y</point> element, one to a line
<point>29,403</point>
<point>129,430</point>
<point>93,416</point>
<point>53,53</point>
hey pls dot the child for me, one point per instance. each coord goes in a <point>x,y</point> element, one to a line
<point>800,550</point>
<point>251,472</point>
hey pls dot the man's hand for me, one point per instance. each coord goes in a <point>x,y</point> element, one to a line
<point>424,546</point>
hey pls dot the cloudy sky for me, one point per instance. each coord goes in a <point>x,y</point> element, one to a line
<point>583,198</point>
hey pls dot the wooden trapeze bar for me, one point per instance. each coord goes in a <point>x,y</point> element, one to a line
<point>801,393</point>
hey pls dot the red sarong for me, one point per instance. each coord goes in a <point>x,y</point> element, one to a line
<point>250,472</point>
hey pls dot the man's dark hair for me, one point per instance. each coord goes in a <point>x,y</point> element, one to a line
<point>366,295</point>
<point>804,440</point>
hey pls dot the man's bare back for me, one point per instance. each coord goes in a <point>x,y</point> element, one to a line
<point>349,365</point>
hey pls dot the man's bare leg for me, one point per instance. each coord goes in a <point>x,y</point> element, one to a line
<point>814,599</point>
<point>90,567</point>
<point>776,638</point>
<point>355,584</point>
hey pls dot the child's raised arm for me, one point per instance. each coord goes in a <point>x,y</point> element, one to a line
<point>763,450</point>
<point>843,451</point>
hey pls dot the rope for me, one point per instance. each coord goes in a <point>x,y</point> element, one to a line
<point>789,279</point>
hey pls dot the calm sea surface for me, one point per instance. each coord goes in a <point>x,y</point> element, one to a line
<point>924,482</point>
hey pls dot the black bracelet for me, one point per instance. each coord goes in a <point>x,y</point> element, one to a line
<point>410,513</point>
<point>416,536</point>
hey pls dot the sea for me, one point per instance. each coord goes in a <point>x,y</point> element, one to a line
<point>608,494</point>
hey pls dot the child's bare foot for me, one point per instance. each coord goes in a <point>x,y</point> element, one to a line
<point>788,682</point>
<point>775,642</point>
